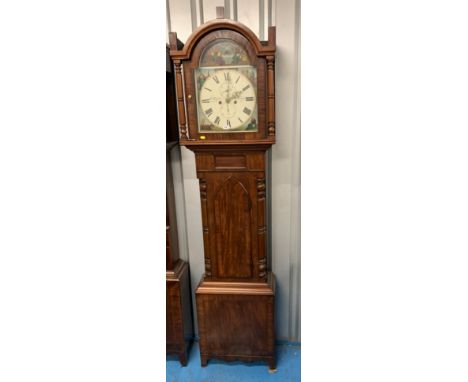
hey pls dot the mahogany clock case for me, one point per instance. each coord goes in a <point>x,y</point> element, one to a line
<point>236,295</point>
<point>235,298</point>
<point>233,200</point>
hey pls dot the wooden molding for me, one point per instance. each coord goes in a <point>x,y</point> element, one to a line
<point>267,287</point>
<point>227,145</point>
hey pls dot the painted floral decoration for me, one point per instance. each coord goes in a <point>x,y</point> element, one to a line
<point>224,52</point>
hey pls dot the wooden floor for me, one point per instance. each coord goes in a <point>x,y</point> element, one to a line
<point>288,368</point>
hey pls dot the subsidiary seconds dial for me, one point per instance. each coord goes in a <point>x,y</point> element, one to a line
<point>228,99</point>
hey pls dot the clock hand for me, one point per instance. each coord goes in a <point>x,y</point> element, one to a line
<point>235,95</point>
<point>229,87</point>
<point>211,99</point>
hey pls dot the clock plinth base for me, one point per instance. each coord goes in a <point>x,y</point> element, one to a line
<point>236,321</point>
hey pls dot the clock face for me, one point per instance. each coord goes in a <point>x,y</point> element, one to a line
<point>226,99</point>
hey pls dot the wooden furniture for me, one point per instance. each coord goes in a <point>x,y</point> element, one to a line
<point>226,107</point>
<point>179,332</point>
<point>179,328</point>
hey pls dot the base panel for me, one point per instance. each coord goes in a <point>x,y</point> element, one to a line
<point>236,321</point>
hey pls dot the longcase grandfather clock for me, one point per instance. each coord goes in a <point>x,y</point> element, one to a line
<point>226,105</point>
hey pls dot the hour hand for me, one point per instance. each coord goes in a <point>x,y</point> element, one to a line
<point>208,100</point>
<point>234,96</point>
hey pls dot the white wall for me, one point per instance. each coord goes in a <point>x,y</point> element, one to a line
<point>185,15</point>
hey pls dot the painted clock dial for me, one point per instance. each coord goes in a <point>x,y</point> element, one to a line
<point>226,99</point>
